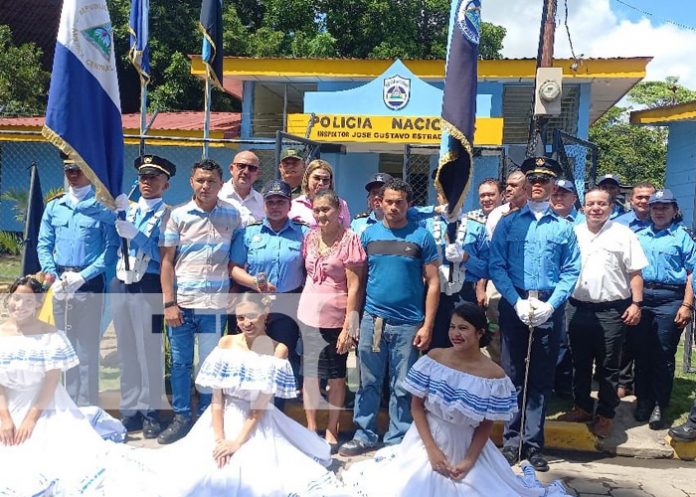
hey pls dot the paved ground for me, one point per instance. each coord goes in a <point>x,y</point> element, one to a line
<point>592,476</point>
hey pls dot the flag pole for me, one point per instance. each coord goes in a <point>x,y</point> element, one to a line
<point>143,116</point>
<point>206,119</point>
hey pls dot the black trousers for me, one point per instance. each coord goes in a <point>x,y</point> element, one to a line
<point>446,305</point>
<point>597,335</point>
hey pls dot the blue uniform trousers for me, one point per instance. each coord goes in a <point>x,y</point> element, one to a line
<point>656,341</point>
<point>80,318</point>
<point>138,321</point>
<point>515,338</point>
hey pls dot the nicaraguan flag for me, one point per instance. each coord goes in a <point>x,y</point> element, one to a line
<point>138,28</point>
<point>211,26</point>
<point>459,103</point>
<point>83,117</point>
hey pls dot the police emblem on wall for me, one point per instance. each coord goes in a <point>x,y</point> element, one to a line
<point>397,92</point>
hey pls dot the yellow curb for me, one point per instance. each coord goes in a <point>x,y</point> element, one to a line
<point>685,451</point>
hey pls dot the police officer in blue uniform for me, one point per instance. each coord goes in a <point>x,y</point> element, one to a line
<point>464,261</point>
<point>267,256</point>
<point>76,247</point>
<point>668,302</point>
<point>137,299</point>
<point>534,263</point>
<point>610,183</point>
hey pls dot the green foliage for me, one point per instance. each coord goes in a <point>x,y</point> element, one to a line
<point>660,93</point>
<point>634,153</point>
<point>23,83</point>
<point>10,243</point>
<point>20,200</point>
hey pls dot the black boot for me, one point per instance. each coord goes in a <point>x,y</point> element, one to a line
<point>683,433</point>
<point>176,430</point>
<point>655,421</point>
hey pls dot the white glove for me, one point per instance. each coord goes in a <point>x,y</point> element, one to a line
<point>122,203</point>
<point>126,229</point>
<point>454,253</point>
<point>73,281</point>
<point>542,311</point>
<point>522,308</point>
<point>58,288</point>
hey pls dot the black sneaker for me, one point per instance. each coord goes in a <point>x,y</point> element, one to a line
<point>510,454</point>
<point>151,428</point>
<point>655,422</point>
<point>538,461</point>
<point>133,423</point>
<point>683,433</point>
<point>355,448</point>
<point>176,430</point>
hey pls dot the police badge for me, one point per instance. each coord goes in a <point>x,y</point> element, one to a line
<point>397,92</point>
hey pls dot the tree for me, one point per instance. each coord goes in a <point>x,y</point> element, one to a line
<point>634,153</point>
<point>23,83</point>
<point>653,94</point>
<point>638,153</point>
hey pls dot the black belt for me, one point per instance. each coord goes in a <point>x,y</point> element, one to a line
<point>544,295</point>
<point>663,286</point>
<point>599,306</point>
<point>75,269</point>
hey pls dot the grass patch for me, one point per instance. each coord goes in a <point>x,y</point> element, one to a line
<point>10,266</point>
<point>684,390</point>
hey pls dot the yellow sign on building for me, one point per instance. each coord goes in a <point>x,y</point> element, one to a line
<point>387,129</point>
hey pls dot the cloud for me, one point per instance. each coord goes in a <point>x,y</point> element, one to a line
<point>597,31</point>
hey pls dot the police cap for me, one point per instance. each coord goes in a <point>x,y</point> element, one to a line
<point>662,197</point>
<point>291,153</point>
<point>68,163</point>
<point>608,178</point>
<point>277,188</point>
<point>154,164</point>
<point>566,185</point>
<point>543,166</point>
<point>377,179</point>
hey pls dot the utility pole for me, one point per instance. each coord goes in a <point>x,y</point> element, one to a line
<point>547,36</point>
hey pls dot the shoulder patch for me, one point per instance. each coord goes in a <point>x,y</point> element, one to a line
<point>477,216</point>
<point>299,222</point>
<point>362,215</point>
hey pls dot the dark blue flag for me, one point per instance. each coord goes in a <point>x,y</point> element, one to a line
<point>139,32</point>
<point>211,25</point>
<point>459,103</point>
<point>35,208</point>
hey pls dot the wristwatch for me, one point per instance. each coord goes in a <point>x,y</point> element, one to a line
<point>637,304</point>
<point>170,303</point>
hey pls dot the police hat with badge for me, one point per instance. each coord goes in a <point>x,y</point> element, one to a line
<point>277,188</point>
<point>567,185</point>
<point>154,165</point>
<point>68,163</point>
<point>662,197</point>
<point>541,168</point>
<point>377,179</point>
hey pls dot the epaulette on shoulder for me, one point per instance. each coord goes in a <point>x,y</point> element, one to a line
<point>477,216</point>
<point>362,215</point>
<point>256,223</point>
<point>299,222</point>
<point>55,196</point>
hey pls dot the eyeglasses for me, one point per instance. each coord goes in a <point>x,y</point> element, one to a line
<point>242,166</point>
<point>538,178</point>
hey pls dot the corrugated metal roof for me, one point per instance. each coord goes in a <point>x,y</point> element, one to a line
<point>228,122</point>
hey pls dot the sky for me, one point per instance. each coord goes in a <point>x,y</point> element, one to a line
<point>607,28</point>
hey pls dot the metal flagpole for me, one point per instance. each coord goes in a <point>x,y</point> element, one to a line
<point>143,115</point>
<point>206,121</point>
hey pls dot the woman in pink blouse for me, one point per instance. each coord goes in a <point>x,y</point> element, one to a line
<point>328,308</point>
<point>318,176</point>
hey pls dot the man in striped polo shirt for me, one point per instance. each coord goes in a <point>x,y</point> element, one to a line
<point>195,283</point>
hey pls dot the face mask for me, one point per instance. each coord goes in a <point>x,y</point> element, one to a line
<point>148,204</point>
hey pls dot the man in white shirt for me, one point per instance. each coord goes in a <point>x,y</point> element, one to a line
<point>239,191</point>
<point>607,298</point>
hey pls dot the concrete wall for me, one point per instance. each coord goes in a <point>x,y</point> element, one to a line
<point>681,167</point>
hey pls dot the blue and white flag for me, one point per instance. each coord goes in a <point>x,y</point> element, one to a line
<point>459,103</point>
<point>138,28</point>
<point>83,117</point>
<point>211,26</point>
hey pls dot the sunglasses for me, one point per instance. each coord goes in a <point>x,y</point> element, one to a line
<point>242,166</point>
<point>538,178</point>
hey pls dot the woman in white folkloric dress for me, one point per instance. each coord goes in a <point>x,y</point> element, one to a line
<point>241,445</point>
<point>47,446</point>
<point>447,452</point>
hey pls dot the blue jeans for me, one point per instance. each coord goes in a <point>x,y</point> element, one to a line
<point>397,352</point>
<point>208,325</point>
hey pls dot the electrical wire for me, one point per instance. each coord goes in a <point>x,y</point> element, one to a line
<point>650,14</point>
<point>576,60</point>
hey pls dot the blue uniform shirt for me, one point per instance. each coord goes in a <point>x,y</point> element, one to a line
<point>76,236</point>
<point>148,244</point>
<point>631,220</point>
<point>617,211</point>
<point>534,255</point>
<point>395,259</point>
<point>475,244</point>
<point>259,249</point>
<point>575,217</point>
<point>671,254</point>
